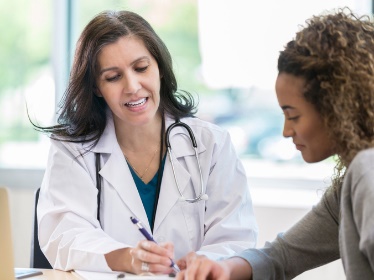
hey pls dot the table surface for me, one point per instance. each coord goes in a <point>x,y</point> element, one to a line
<point>49,274</point>
<point>54,274</point>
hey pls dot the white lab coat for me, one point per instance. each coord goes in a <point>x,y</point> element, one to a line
<point>71,236</point>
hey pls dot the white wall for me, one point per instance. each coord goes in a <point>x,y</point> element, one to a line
<point>272,220</point>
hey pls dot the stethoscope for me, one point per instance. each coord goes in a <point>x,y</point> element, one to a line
<point>202,195</point>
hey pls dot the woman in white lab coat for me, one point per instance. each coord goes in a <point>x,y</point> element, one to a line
<point>121,98</point>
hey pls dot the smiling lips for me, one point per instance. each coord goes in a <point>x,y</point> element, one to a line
<point>136,103</point>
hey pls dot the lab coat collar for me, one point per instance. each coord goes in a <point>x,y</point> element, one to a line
<point>108,139</point>
<point>181,146</point>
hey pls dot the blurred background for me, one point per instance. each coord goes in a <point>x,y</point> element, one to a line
<point>224,52</point>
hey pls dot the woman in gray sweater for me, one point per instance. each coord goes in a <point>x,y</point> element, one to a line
<point>325,88</point>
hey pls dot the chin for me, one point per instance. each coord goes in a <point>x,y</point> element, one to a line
<point>312,159</point>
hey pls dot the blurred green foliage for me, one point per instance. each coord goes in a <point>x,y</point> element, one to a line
<point>26,40</point>
<point>25,36</point>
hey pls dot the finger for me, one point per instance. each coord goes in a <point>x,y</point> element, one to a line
<point>190,258</point>
<point>144,267</point>
<point>193,265</point>
<point>169,247</point>
<point>212,270</point>
<point>180,275</point>
<point>142,255</point>
<point>153,247</point>
<point>166,249</point>
<point>160,269</point>
<point>204,270</point>
<point>138,264</point>
<point>156,248</point>
<point>181,263</point>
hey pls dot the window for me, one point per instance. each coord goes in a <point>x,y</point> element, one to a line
<point>25,78</point>
<point>239,45</point>
<point>225,52</point>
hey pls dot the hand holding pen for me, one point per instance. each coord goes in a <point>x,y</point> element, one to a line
<point>148,236</point>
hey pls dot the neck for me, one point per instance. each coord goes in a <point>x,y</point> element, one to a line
<point>142,148</point>
<point>140,138</point>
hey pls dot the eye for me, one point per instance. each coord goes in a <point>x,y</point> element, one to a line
<point>141,69</point>
<point>113,78</point>
<point>293,118</point>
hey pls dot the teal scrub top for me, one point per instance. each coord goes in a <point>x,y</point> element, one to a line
<point>147,192</point>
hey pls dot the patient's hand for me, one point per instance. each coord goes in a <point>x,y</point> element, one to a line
<point>195,266</point>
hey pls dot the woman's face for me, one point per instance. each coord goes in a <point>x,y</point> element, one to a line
<point>302,121</point>
<point>129,81</point>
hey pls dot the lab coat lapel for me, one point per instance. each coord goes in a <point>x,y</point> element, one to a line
<point>117,173</point>
<point>169,194</point>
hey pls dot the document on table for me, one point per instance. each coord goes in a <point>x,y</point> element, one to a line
<point>91,275</point>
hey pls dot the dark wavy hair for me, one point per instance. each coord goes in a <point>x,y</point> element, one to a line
<point>335,55</point>
<point>82,113</point>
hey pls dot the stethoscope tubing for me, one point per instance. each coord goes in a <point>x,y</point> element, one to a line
<point>179,123</point>
<point>194,145</point>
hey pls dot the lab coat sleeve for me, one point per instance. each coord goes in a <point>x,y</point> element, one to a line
<point>69,233</point>
<point>230,224</point>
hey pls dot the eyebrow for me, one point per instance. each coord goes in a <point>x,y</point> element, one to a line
<point>107,69</point>
<point>132,63</point>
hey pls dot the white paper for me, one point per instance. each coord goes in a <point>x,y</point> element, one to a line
<point>90,275</point>
<point>147,276</point>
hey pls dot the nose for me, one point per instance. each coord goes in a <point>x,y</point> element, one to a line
<point>131,83</point>
<point>287,130</point>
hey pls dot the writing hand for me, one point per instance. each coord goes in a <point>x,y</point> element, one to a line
<point>149,256</point>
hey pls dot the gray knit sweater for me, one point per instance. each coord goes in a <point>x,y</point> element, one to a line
<point>321,236</point>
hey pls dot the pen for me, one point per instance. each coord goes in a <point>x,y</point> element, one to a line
<point>149,237</point>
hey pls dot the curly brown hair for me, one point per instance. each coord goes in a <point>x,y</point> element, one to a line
<point>335,54</point>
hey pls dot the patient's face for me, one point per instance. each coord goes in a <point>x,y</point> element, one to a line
<point>302,121</point>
